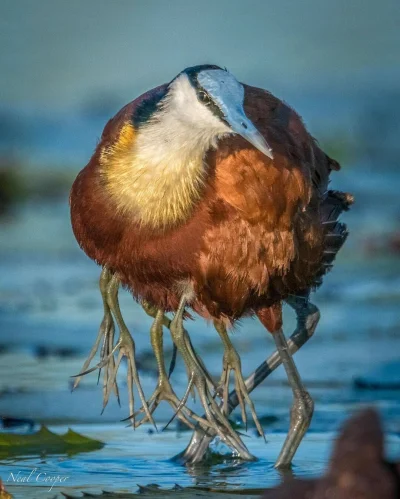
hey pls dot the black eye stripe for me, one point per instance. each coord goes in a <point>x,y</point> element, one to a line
<point>214,108</point>
<point>202,95</point>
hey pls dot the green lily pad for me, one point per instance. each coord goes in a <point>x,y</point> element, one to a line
<point>45,441</point>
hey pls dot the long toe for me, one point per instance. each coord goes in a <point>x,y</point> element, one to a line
<point>106,330</point>
<point>110,381</point>
<point>133,378</point>
<point>216,417</point>
<point>164,391</point>
<point>244,398</point>
<point>232,362</point>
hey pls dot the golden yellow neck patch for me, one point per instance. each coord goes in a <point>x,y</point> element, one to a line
<point>149,176</point>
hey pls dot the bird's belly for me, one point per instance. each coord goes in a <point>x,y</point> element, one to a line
<point>233,267</point>
<point>162,289</point>
<point>159,269</point>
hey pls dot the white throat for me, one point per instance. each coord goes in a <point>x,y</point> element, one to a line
<point>166,174</point>
<point>181,131</point>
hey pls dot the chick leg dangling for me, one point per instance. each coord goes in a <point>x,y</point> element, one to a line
<point>200,379</point>
<point>125,345</point>
<point>164,390</point>
<point>232,362</point>
<point>106,333</point>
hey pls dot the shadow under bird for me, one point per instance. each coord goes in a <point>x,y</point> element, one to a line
<point>208,194</point>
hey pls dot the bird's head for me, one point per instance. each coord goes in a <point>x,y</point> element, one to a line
<point>160,173</point>
<point>209,100</point>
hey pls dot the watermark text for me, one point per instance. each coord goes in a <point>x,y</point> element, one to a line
<point>37,476</point>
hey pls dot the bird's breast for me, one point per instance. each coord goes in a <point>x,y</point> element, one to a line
<point>156,182</point>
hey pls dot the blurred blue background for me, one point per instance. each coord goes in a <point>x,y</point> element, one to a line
<point>66,67</point>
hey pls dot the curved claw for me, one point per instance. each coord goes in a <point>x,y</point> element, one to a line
<point>202,381</point>
<point>109,370</point>
<point>233,364</point>
<point>133,377</point>
<point>130,391</point>
<point>181,404</point>
<point>165,392</point>
<point>104,331</point>
<point>217,418</point>
<point>109,286</point>
<point>199,361</point>
<point>101,364</point>
<point>110,379</point>
<point>104,351</point>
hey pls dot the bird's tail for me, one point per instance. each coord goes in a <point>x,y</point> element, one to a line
<point>333,204</point>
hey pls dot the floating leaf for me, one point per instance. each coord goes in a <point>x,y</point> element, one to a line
<point>45,441</point>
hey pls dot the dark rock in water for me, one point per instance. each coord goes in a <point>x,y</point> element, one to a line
<point>385,377</point>
<point>16,422</point>
<point>357,468</point>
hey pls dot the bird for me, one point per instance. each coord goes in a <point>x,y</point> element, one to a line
<point>357,468</point>
<point>206,195</point>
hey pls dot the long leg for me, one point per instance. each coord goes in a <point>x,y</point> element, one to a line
<point>109,293</point>
<point>302,408</point>
<point>164,389</point>
<point>307,319</point>
<point>106,331</point>
<point>232,362</point>
<point>152,312</point>
<point>198,377</point>
<point>126,346</point>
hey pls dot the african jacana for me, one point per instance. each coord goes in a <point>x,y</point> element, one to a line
<point>208,194</point>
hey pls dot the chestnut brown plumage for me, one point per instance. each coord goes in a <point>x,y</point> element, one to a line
<point>254,231</point>
<point>257,228</point>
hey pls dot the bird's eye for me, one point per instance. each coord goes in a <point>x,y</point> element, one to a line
<point>244,125</point>
<point>204,97</point>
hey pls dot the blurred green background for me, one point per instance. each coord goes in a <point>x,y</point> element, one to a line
<point>66,67</point>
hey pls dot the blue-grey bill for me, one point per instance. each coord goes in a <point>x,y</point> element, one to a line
<point>248,131</point>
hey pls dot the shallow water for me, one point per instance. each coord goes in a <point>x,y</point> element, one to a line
<point>140,458</point>
<point>50,309</point>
